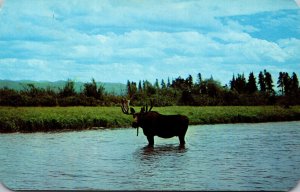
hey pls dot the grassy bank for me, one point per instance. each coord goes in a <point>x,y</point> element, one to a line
<point>35,119</point>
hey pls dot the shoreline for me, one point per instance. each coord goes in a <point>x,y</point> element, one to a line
<point>64,119</point>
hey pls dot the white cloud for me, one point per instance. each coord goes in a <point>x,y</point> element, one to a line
<point>148,45</point>
<point>133,54</point>
<point>122,40</point>
<point>236,26</point>
<point>291,47</point>
<point>257,51</point>
<point>230,36</point>
<point>83,15</point>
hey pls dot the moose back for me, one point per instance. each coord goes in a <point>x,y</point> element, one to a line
<point>156,124</point>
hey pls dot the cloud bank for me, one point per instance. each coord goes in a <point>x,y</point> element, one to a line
<point>113,41</point>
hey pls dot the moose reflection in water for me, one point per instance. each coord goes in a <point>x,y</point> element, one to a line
<point>156,124</point>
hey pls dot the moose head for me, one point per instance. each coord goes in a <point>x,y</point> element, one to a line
<point>136,116</point>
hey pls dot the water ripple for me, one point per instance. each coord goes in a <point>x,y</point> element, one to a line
<point>217,157</point>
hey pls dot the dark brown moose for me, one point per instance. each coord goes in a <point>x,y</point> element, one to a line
<point>155,124</point>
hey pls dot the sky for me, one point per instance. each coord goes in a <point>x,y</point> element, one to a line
<point>120,40</point>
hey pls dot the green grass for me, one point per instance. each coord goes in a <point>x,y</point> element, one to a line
<point>234,114</point>
<point>42,119</point>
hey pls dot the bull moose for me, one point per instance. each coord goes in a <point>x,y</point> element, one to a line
<point>156,124</point>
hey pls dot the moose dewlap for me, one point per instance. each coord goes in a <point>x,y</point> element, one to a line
<point>156,124</point>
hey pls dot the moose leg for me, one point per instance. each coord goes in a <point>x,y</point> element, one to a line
<point>182,142</point>
<point>150,141</point>
<point>182,135</point>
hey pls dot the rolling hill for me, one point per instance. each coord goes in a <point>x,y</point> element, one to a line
<point>115,88</point>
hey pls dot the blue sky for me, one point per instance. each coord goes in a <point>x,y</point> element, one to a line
<point>120,40</point>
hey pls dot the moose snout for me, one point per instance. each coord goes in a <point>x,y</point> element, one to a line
<point>135,122</point>
<point>135,125</point>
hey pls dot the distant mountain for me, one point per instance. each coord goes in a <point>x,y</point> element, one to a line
<point>116,88</point>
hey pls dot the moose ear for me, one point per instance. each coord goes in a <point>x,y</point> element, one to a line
<point>132,111</point>
<point>142,109</point>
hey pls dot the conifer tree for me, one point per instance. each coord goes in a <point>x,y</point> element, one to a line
<point>140,88</point>
<point>156,85</point>
<point>294,83</point>
<point>232,83</point>
<point>280,83</point>
<point>261,82</point>
<point>199,78</point>
<point>69,89</point>
<point>168,83</point>
<point>268,82</point>
<point>90,89</point>
<point>251,85</point>
<point>163,84</point>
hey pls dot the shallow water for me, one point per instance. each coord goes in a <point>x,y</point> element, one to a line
<point>262,156</point>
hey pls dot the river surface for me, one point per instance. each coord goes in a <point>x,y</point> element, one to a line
<point>263,156</point>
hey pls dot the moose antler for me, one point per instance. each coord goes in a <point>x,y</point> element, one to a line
<point>125,107</point>
<point>151,105</point>
<point>145,108</point>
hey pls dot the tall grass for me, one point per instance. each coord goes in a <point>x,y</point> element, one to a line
<point>42,119</point>
<point>234,114</point>
<point>34,119</point>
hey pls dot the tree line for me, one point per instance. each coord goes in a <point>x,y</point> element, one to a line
<point>90,95</point>
<point>241,90</point>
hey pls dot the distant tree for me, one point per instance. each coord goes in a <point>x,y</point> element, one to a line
<point>128,85</point>
<point>50,91</point>
<point>280,82</point>
<point>286,83</point>
<point>210,87</point>
<point>156,84</point>
<point>179,83</point>
<point>186,98</point>
<point>232,83</point>
<point>163,84</point>
<point>239,83</point>
<point>68,90</point>
<point>203,87</point>
<point>199,80</point>
<point>261,82</point>
<point>289,88</point>
<point>294,84</point>
<point>90,89</point>
<point>269,82</point>
<point>189,82</point>
<point>149,88</point>
<point>131,89</point>
<point>251,84</point>
<point>168,83</point>
<point>213,88</point>
<point>101,91</point>
<point>10,97</point>
<point>31,90</point>
<point>140,88</point>
<point>144,85</point>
